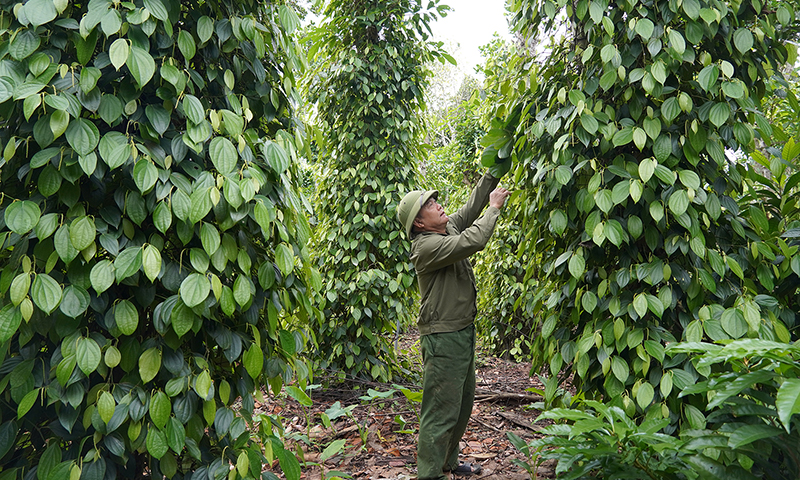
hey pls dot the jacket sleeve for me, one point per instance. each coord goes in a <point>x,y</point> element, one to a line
<point>479,198</point>
<point>433,252</point>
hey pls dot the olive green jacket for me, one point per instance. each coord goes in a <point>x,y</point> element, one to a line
<point>445,276</point>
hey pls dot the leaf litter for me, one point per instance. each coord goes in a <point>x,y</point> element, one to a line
<point>372,429</point>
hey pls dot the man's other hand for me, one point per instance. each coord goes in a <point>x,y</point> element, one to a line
<point>498,197</point>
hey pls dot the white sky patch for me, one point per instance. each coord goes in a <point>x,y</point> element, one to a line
<point>471,24</point>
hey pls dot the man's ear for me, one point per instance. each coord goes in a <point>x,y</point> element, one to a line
<point>417,224</point>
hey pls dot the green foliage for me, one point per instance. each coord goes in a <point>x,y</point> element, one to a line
<point>748,429</point>
<point>154,267</point>
<point>631,202</point>
<point>368,86</point>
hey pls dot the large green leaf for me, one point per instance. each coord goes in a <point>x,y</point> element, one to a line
<point>21,217</point>
<point>195,289</point>
<point>46,292</point>
<point>787,401</point>
<point>82,135</point>
<point>149,364</point>
<point>10,320</point>
<point>141,65</point>
<point>126,317</point>
<point>223,155</point>
<point>88,355</point>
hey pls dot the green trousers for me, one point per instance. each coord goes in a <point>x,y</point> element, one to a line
<point>448,391</point>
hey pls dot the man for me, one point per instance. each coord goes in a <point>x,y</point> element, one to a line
<point>440,248</point>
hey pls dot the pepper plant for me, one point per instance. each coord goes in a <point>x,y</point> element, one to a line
<point>367,83</point>
<point>154,261</point>
<point>632,207</point>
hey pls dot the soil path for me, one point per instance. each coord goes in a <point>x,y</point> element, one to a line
<point>379,434</point>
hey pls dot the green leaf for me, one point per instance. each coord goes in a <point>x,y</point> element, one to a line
<point>22,216</point>
<point>620,368</point>
<point>156,442</point>
<point>640,304</point>
<point>102,276</point>
<point>88,355</point>
<point>253,360</point>
<point>145,175</point>
<point>692,8</point>
<point>128,262</point>
<point>149,364</point>
<point>276,156</point>
<point>589,123</point>
<point>82,232</point>
<point>27,402</point>
<point>209,237</point>
<point>689,179</point>
<point>205,28</point>
<point>299,395</point>
<point>40,12</point>
<point>202,385</point>
<point>639,138</point>
<point>223,155</point>
<point>127,317</point>
<point>110,110</point>
<point>644,28</point>
<point>151,262</point>
<point>82,135</point>
<point>679,202</point>
<point>158,10</point>
<point>194,289</point>
<point>242,291</point>
<point>118,52</point>
<point>670,109</point>
<point>59,121</point>
<point>186,45</point>
<point>747,434</point>
<point>719,114</point>
<point>141,65</point>
<point>646,168</point>
<point>787,401</point>
<point>733,322</point>
<point>577,265</point>
<point>46,293</point>
<point>49,181</point>
<point>160,409</point>
<point>105,406</point>
<point>182,318</point>
<point>193,109</point>
<point>707,77</point>
<point>284,258</point>
<point>743,40</point>
<point>644,397</point>
<point>10,320</point>
<point>23,44</point>
<point>74,301</point>
<point>162,218</point>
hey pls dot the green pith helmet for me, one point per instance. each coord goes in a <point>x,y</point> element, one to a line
<point>410,204</point>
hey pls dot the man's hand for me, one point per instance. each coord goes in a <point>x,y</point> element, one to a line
<point>498,197</point>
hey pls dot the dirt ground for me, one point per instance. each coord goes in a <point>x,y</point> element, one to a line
<point>379,434</point>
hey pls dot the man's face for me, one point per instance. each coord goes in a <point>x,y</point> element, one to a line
<point>431,217</point>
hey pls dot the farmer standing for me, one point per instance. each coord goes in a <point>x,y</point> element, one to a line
<point>440,247</point>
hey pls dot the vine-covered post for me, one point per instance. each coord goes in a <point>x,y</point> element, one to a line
<point>630,198</point>
<point>154,267</point>
<point>368,83</point>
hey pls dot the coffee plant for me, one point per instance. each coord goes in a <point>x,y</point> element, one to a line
<point>368,82</point>
<point>155,272</point>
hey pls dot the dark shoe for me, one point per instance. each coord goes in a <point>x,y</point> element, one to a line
<point>466,468</point>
